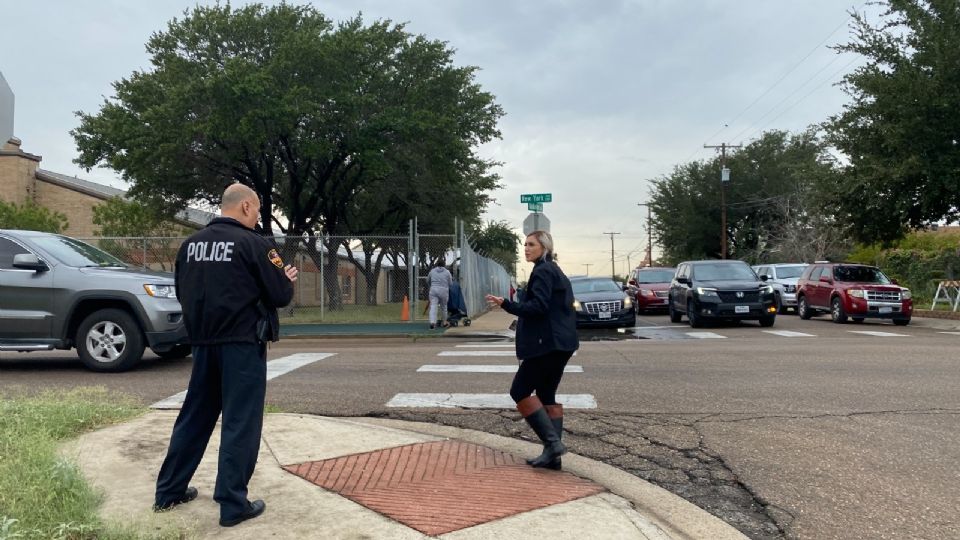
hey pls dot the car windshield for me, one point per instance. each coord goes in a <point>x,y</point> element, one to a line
<point>655,276</point>
<point>785,272</point>
<point>860,274</point>
<point>718,272</point>
<point>594,285</point>
<point>76,253</point>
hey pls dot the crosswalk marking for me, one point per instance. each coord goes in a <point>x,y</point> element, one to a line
<point>447,368</point>
<point>486,345</point>
<point>705,335</point>
<point>482,401</point>
<point>477,353</point>
<point>275,368</point>
<point>877,334</point>
<point>788,333</point>
<point>480,353</point>
<point>951,333</point>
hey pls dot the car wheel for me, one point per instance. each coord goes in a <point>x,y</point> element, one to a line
<point>836,311</point>
<point>803,310</point>
<point>901,322</point>
<point>674,316</point>
<point>692,317</point>
<point>176,353</point>
<point>779,303</point>
<point>768,321</point>
<point>109,340</point>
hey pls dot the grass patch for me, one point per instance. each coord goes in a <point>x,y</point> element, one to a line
<point>272,409</point>
<point>42,494</point>
<point>347,314</point>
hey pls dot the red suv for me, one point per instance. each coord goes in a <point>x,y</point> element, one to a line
<point>856,291</point>
<point>650,286</point>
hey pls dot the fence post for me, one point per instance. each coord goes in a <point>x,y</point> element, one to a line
<point>411,285</point>
<point>323,281</point>
<point>416,266</point>
<point>144,260</point>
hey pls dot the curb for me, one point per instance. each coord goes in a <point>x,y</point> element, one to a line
<point>670,513</point>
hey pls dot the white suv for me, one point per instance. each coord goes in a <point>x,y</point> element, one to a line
<point>783,278</point>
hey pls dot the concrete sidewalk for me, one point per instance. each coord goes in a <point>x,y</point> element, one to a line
<point>374,478</point>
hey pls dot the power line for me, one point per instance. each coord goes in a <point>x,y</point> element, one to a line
<point>613,267</point>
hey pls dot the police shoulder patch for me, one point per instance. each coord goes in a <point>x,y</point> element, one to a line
<point>275,258</point>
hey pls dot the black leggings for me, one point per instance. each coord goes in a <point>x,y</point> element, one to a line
<point>541,374</point>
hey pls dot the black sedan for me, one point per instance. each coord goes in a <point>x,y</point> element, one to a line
<point>601,302</point>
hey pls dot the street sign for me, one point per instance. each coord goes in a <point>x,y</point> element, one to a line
<point>6,112</point>
<point>535,207</point>
<point>536,222</point>
<point>536,197</point>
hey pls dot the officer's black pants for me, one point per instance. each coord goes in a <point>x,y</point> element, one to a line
<point>540,374</point>
<point>231,378</point>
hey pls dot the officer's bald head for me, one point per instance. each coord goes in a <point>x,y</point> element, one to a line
<point>240,203</point>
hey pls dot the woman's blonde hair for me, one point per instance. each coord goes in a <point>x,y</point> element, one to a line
<point>546,241</point>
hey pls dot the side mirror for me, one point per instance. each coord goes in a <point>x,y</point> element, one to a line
<point>894,282</point>
<point>632,282</point>
<point>765,277</point>
<point>29,261</point>
<point>685,281</point>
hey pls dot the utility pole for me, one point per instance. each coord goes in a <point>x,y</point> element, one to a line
<point>588,267</point>
<point>649,235</point>
<point>613,268</point>
<point>724,180</point>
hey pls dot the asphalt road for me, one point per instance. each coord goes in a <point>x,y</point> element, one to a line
<point>835,434</point>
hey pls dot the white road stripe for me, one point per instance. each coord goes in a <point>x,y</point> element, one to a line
<point>878,334</point>
<point>705,335</point>
<point>486,345</point>
<point>482,401</point>
<point>275,368</point>
<point>481,353</point>
<point>951,333</point>
<point>788,333</point>
<point>451,368</point>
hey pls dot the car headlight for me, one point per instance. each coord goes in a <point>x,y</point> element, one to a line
<point>905,294</point>
<point>161,291</point>
<point>646,292</point>
<point>627,302</point>
<point>707,291</point>
<point>576,305</point>
<point>767,289</point>
<point>857,293</point>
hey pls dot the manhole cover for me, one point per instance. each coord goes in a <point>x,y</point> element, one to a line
<point>439,487</point>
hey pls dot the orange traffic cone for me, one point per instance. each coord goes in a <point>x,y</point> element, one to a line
<point>405,310</point>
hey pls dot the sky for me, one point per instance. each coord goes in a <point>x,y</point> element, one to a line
<point>601,97</point>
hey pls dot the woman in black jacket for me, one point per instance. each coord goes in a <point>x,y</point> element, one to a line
<point>546,339</point>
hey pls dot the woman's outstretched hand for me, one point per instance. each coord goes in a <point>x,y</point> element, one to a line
<point>494,300</point>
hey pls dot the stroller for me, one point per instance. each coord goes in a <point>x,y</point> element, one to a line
<point>456,308</point>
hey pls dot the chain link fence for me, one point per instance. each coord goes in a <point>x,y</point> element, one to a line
<point>351,279</point>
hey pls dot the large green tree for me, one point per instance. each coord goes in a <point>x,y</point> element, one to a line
<point>498,241</point>
<point>341,129</point>
<point>901,131</point>
<point>773,195</point>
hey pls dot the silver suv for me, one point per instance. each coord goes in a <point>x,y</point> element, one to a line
<point>57,292</point>
<point>783,278</point>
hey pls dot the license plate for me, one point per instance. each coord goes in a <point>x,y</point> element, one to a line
<point>741,309</point>
<point>604,315</point>
<point>886,310</point>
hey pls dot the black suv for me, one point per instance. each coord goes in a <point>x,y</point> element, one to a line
<point>720,290</point>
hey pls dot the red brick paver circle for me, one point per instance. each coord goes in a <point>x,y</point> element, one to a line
<point>443,486</point>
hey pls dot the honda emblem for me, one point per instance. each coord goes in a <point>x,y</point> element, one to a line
<point>739,294</point>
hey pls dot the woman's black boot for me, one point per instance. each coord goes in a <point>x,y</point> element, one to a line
<point>535,415</point>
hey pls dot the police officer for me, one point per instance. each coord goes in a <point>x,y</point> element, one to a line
<point>228,280</point>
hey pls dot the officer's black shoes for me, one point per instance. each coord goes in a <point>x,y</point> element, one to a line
<point>254,509</point>
<point>188,495</point>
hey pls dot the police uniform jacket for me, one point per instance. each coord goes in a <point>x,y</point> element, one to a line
<point>546,320</point>
<point>222,272</point>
